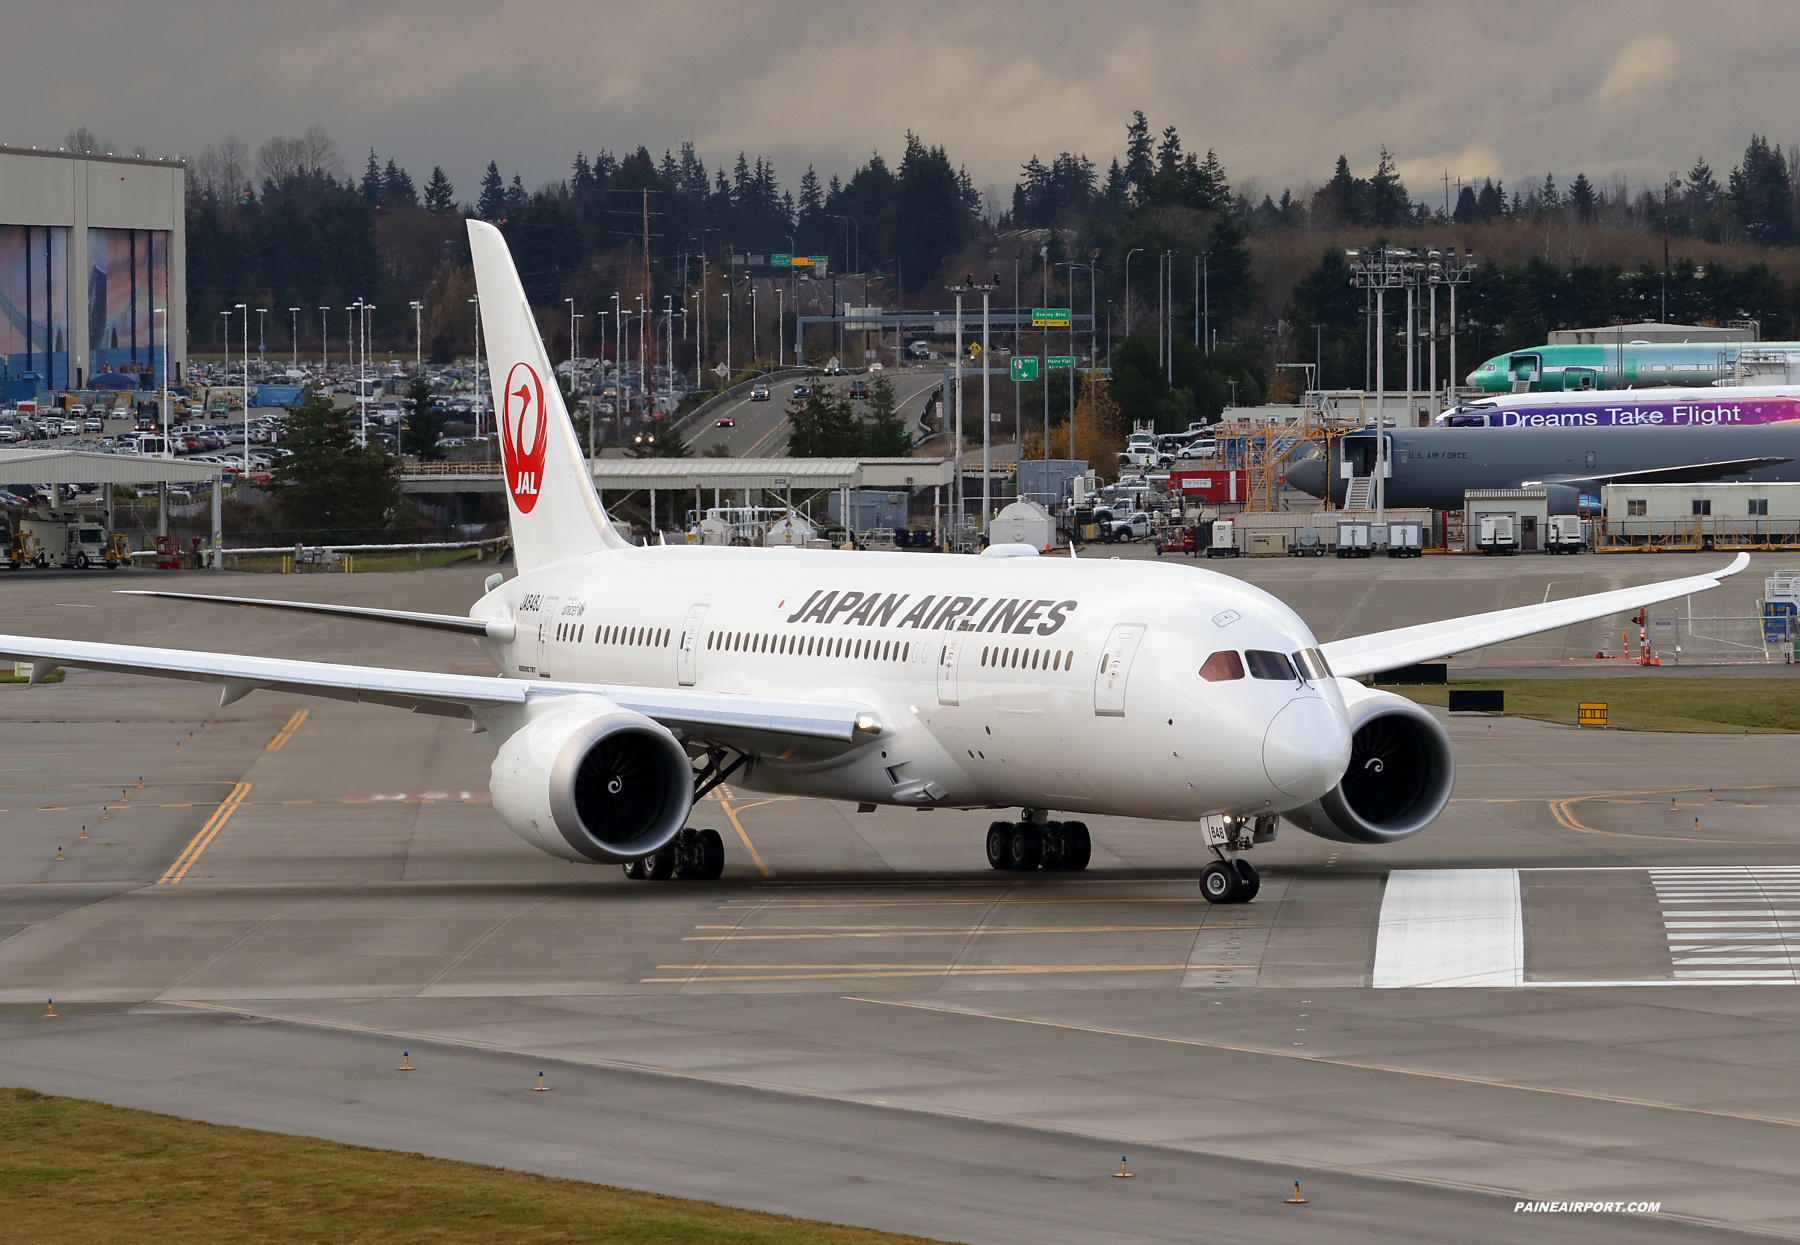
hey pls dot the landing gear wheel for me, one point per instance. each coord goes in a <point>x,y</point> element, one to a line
<point>1077,847</point>
<point>634,870</point>
<point>1025,848</point>
<point>1220,883</point>
<point>660,866</point>
<point>712,855</point>
<point>1250,881</point>
<point>1050,834</point>
<point>999,844</point>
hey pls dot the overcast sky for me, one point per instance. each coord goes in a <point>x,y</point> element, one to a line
<point>1638,87</point>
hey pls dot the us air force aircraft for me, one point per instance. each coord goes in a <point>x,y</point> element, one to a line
<point>1433,467</point>
<point>636,679</point>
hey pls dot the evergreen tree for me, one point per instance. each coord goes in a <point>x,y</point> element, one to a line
<point>1139,167</point>
<point>424,422</point>
<point>440,195</point>
<point>931,217</point>
<point>328,483</point>
<point>658,441</point>
<point>492,203</point>
<point>1492,200</point>
<point>1389,204</point>
<point>517,197</point>
<point>1467,210</point>
<point>1345,196</point>
<point>1583,199</point>
<point>884,432</point>
<point>824,425</point>
<point>397,188</point>
<point>1548,199</point>
<point>1763,193</point>
<point>583,181</point>
<point>371,182</point>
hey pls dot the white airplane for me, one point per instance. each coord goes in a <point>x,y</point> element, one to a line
<point>637,679</point>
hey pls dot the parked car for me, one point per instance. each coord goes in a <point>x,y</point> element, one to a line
<point>69,428</point>
<point>93,424</point>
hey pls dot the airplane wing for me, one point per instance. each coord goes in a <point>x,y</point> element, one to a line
<point>1683,473</point>
<point>742,721</point>
<point>1384,650</point>
<point>500,629</point>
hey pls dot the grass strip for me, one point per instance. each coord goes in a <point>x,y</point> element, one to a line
<point>1689,706</point>
<point>78,1171</point>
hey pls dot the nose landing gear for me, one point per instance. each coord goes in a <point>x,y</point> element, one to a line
<point>1231,879</point>
<point>1022,846</point>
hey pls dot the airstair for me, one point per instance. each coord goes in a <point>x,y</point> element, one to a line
<point>1360,493</point>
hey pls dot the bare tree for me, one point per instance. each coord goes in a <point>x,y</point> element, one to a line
<point>83,140</point>
<point>314,153</point>
<point>321,152</point>
<point>224,168</point>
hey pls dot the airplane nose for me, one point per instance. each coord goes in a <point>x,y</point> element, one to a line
<point>1308,475</point>
<point>1307,748</point>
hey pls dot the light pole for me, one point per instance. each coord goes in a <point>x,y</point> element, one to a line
<point>727,297</point>
<point>1128,254</point>
<point>1093,358</point>
<point>325,340</point>
<point>643,373</point>
<point>294,333</point>
<point>261,342</point>
<point>780,327</point>
<point>227,337</point>
<point>1206,298</point>
<point>418,310</point>
<point>167,452</point>
<point>752,284</point>
<point>241,307</point>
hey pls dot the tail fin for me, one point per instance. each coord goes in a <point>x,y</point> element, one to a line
<point>555,512</point>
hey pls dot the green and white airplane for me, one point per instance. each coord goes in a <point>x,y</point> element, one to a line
<point>1628,365</point>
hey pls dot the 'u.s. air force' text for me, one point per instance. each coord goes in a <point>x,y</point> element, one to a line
<point>1008,615</point>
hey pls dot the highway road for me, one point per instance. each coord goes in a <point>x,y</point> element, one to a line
<point>761,428</point>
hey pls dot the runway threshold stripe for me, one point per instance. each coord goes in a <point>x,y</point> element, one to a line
<point>1450,928</point>
<point>286,732</point>
<point>198,843</point>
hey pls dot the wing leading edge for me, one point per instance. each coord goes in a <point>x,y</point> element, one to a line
<point>1384,650</point>
<point>741,720</point>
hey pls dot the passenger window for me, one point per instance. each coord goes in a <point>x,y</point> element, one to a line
<point>1312,664</point>
<point>1267,665</point>
<point>1222,667</point>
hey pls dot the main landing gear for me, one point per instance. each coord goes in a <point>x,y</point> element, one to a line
<point>697,855</point>
<point>1021,846</point>
<point>1230,878</point>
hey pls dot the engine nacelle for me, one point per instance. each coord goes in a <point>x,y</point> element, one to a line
<point>591,782</point>
<point>1401,770</point>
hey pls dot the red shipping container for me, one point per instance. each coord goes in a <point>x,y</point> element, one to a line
<point>1216,485</point>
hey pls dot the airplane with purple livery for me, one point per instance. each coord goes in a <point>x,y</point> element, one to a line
<point>1669,407</point>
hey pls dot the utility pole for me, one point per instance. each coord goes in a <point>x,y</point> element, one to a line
<point>418,310</point>
<point>294,333</point>
<point>246,476</point>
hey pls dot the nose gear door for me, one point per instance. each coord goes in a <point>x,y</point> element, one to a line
<point>687,660</point>
<point>1115,669</point>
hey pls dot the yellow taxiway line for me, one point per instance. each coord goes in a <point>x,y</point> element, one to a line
<point>198,843</point>
<point>287,732</point>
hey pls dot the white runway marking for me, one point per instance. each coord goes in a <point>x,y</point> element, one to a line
<point>1711,915</point>
<point>1450,927</point>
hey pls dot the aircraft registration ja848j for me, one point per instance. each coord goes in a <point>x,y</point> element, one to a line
<point>636,679</point>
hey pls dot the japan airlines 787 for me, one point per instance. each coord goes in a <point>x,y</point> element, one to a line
<point>635,679</point>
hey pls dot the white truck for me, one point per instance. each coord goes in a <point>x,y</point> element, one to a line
<point>76,542</point>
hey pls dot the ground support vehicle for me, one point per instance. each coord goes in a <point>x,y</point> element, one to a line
<point>1498,535</point>
<point>1562,534</point>
<point>1175,540</point>
<point>1353,540</point>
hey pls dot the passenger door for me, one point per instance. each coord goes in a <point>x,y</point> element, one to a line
<point>687,660</point>
<point>1115,669</point>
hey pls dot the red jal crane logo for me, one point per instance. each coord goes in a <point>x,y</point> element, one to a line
<point>523,425</point>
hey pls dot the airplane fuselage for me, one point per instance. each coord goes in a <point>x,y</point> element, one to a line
<point>1433,467</point>
<point>1037,682</point>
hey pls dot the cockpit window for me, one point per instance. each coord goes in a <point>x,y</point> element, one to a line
<point>1312,665</point>
<point>1222,667</point>
<point>1267,665</point>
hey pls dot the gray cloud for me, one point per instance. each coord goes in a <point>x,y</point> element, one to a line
<point>1633,87</point>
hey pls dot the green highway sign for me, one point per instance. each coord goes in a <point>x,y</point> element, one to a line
<point>1050,317</point>
<point>781,261</point>
<point>1061,360</point>
<point>1024,369</point>
<point>818,261</point>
